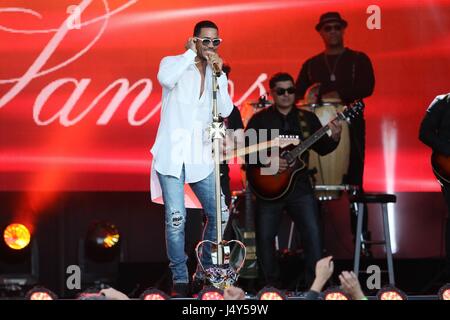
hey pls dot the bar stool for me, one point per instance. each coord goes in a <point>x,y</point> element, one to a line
<point>383,199</point>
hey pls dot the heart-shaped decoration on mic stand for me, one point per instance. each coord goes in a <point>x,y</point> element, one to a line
<point>221,276</point>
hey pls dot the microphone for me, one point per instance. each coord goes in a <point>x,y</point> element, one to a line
<point>216,69</point>
<point>215,66</point>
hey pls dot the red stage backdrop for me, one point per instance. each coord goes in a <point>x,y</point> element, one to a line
<point>79,98</point>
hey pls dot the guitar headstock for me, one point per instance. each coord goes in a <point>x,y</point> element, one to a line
<point>351,111</point>
<point>284,141</point>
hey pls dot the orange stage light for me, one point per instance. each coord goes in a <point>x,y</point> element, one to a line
<point>16,236</point>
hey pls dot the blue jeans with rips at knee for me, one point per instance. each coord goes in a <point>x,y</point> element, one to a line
<point>175,220</point>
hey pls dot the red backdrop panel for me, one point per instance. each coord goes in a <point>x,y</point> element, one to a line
<point>53,137</point>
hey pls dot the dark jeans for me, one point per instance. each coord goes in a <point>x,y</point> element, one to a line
<point>357,130</point>
<point>303,210</point>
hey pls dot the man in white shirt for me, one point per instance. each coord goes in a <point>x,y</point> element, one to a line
<point>182,153</point>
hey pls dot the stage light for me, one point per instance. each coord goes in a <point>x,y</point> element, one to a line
<point>16,236</point>
<point>100,253</point>
<point>391,293</point>
<point>336,293</point>
<point>40,293</point>
<point>270,293</point>
<point>19,259</point>
<point>210,293</point>
<point>154,294</point>
<point>102,235</point>
<point>444,292</point>
<point>102,242</point>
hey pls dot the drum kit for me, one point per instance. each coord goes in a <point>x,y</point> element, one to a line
<point>332,167</point>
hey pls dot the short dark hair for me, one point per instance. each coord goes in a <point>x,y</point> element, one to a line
<point>280,76</point>
<point>204,24</point>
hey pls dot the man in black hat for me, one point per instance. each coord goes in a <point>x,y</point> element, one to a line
<point>343,74</point>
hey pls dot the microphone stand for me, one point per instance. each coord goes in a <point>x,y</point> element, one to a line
<point>221,276</point>
<point>217,133</point>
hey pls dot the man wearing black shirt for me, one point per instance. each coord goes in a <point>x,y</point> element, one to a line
<point>342,72</point>
<point>346,75</point>
<point>232,122</point>
<point>300,203</point>
<point>435,133</point>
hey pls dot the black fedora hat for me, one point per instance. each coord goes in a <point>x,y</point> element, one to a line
<point>330,17</point>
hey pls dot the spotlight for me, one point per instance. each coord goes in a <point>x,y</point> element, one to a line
<point>270,293</point>
<point>19,259</point>
<point>444,292</point>
<point>102,241</point>
<point>336,293</point>
<point>210,293</point>
<point>153,294</point>
<point>40,293</point>
<point>391,293</point>
<point>99,254</point>
<point>102,235</point>
<point>16,236</point>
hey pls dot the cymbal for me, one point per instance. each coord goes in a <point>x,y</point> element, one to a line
<point>325,102</point>
<point>261,103</point>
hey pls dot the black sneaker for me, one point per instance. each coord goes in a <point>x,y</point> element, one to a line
<point>197,285</point>
<point>180,290</point>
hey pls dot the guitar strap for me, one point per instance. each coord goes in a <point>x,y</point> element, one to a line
<point>305,132</point>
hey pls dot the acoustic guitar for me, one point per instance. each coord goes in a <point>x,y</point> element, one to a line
<point>273,187</point>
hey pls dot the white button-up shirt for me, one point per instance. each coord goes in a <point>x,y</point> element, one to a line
<point>182,137</point>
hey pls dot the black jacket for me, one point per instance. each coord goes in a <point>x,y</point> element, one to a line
<point>435,126</point>
<point>354,75</point>
<point>271,118</point>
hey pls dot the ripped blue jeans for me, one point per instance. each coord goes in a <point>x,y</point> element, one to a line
<point>175,220</point>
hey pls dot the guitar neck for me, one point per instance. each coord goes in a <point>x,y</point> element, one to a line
<point>251,149</point>
<point>274,143</point>
<point>350,112</point>
<point>357,107</point>
<point>309,142</point>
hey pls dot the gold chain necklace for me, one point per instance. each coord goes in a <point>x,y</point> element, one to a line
<point>332,74</point>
